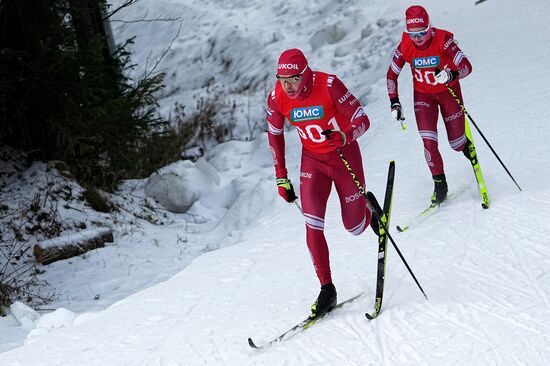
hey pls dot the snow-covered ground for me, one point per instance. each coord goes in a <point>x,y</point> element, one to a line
<point>191,291</point>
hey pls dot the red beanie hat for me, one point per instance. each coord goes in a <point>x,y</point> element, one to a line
<point>417,17</point>
<point>291,62</point>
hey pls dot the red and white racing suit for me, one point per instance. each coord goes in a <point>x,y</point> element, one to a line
<point>440,52</point>
<point>327,105</point>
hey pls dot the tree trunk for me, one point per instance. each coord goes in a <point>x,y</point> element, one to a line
<point>87,16</point>
<point>71,245</point>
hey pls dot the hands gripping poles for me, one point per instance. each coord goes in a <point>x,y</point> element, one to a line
<point>380,222</point>
<point>481,133</point>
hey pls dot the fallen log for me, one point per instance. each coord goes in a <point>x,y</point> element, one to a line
<point>71,245</point>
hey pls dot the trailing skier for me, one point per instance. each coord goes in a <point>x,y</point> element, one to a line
<point>436,63</point>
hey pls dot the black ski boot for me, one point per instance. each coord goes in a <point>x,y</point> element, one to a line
<point>440,189</point>
<point>374,224</point>
<point>325,301</point>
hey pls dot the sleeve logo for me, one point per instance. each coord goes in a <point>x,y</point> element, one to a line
<point>425,62</point>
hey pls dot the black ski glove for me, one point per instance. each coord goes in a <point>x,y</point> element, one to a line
<point>396,109</point>
<point>286,190</point>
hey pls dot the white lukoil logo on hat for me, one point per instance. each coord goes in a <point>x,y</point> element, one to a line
<point>415,21</point>
<point>288,66</point>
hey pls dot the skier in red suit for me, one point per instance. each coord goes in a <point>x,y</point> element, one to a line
<point>436,60</point>
<point>326,116</point>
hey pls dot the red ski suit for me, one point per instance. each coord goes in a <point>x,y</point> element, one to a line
<point>440,52</point>
<point>326,105</point>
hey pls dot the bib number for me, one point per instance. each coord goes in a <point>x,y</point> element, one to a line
<point>427,77</point>
<point>313,132</point>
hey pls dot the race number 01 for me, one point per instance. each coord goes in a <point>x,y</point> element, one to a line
<point>317,137</point>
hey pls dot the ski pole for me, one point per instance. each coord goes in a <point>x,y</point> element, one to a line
<point>362,191</point>
<point>402,123</point>
<point>481,133</point>
<point>298,205</point>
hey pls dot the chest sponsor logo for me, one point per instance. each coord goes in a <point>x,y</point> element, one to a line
<point>306,113</point>
<point>425,62</point>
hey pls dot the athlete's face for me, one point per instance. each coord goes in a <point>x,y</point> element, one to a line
<point>420,35</point>
<point>290,84</point>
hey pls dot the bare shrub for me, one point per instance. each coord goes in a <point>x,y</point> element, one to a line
<point>18,270</point>
<point>212,122</point>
